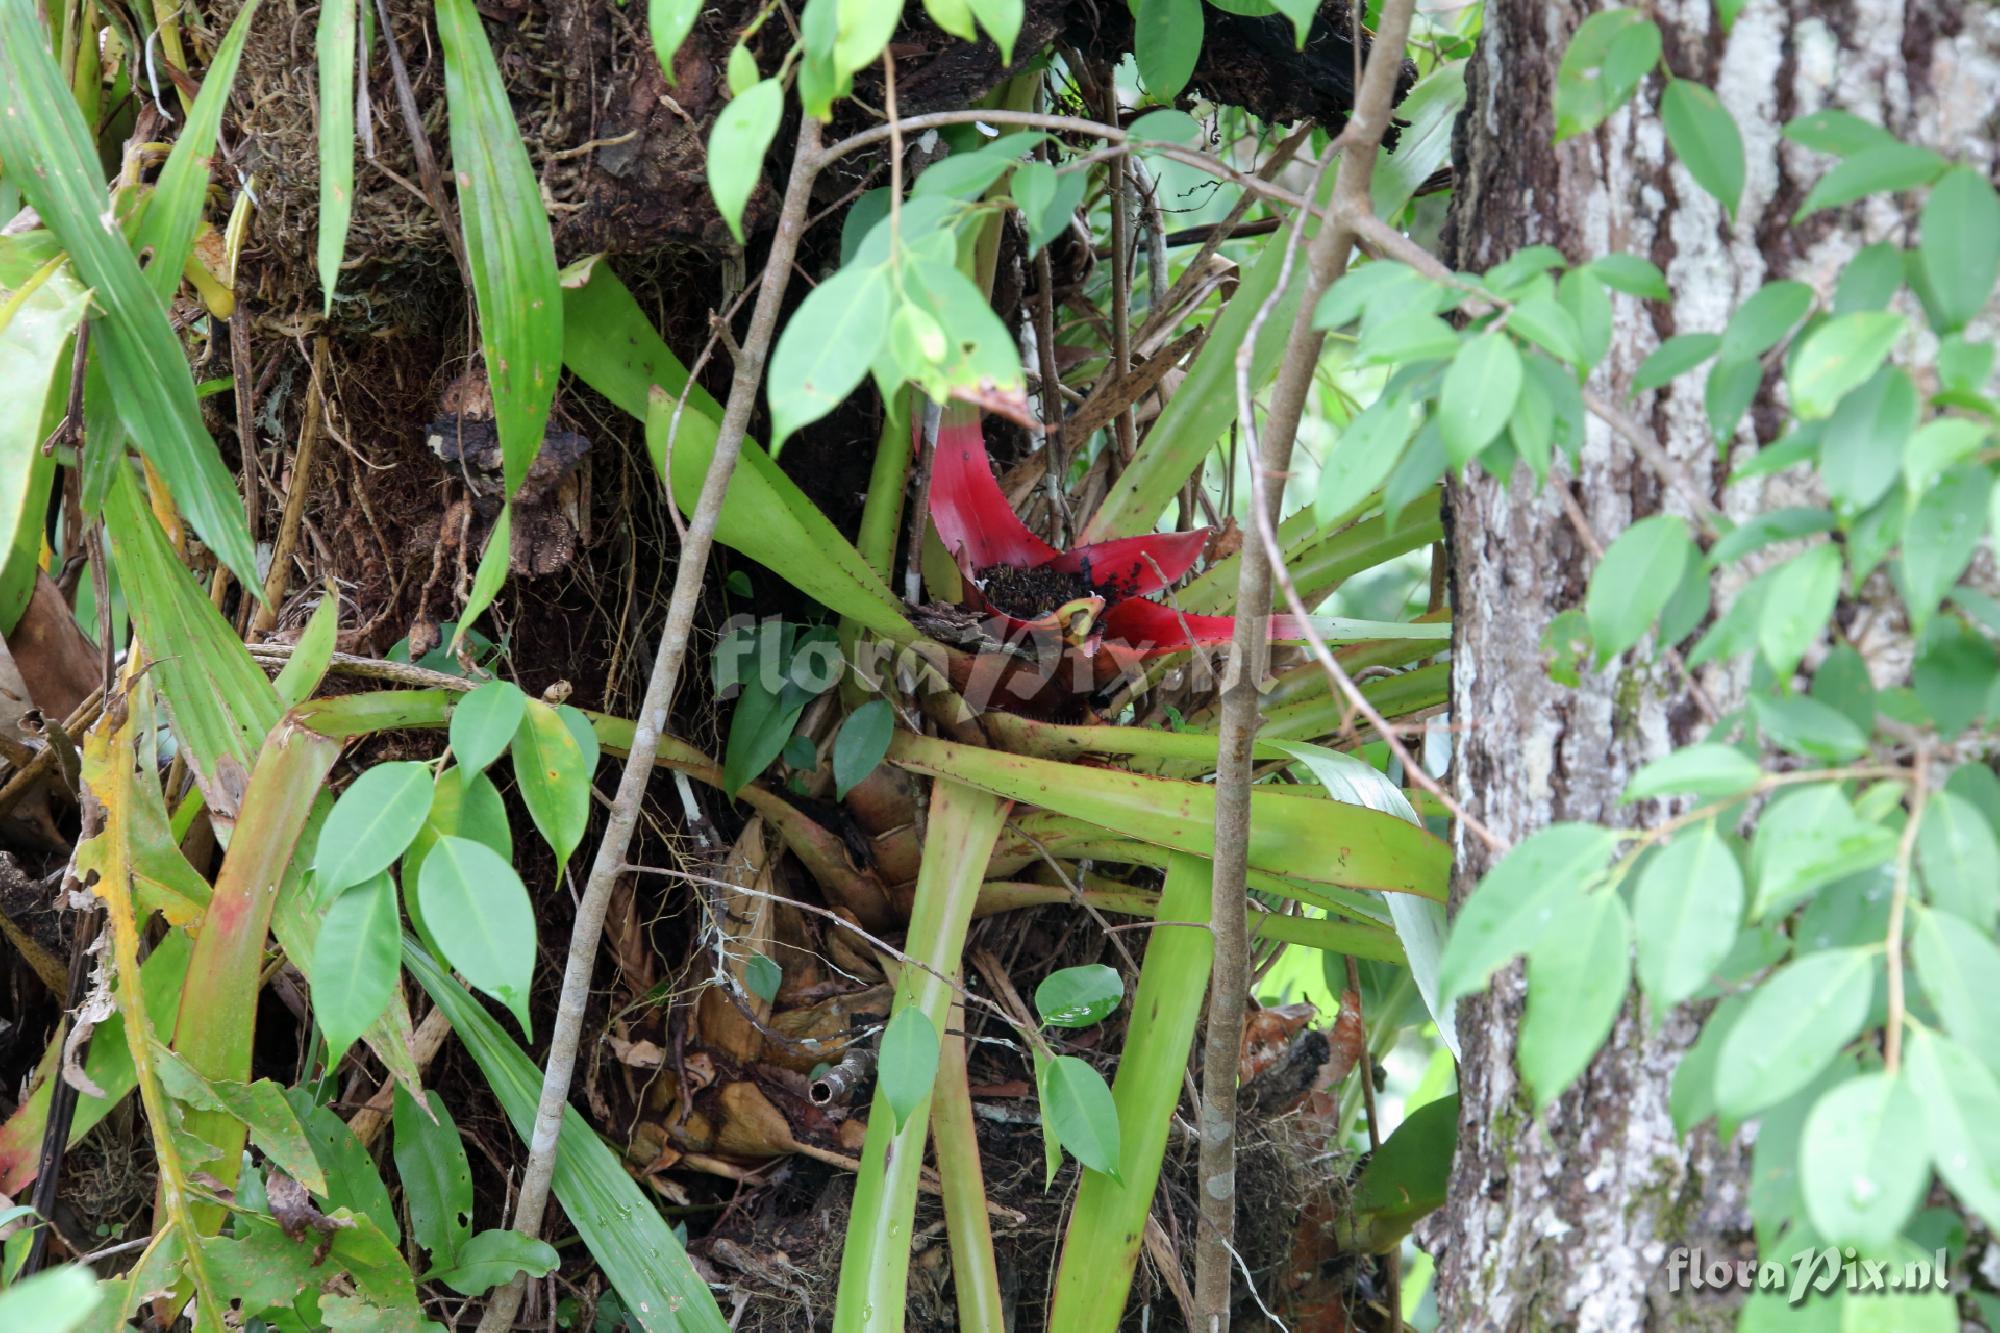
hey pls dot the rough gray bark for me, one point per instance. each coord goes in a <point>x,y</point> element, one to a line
<point>1566,1220</point>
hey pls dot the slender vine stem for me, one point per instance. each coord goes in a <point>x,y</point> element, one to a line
<point>1899,903</point>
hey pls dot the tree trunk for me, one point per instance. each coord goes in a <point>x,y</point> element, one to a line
<point>1566,1220</point>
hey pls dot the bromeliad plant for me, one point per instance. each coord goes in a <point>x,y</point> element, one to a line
<point>331,881</point>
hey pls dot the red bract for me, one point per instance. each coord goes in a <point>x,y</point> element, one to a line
<point>1113,581</point>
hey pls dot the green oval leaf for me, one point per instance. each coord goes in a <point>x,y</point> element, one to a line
<point>736,148</point>
<point>370,825</point>
<point>1632,275</point>
<point>1809,837</point>
<point>1076,997</point>
<point>1634,581</point>
<point>671,21</point>
<point>1538,884</point>
<point>1686,910</point>
<point>495,1256</point>
<point>762,977</point>
<point>554,778</point>
<point>1793,1027</point>
<point>1677,355</point>
<point>491,938</point>
<point>1478,395</point>
<point>1886,166</point>
<point>861,744</point>
<point>1002,21</point>
<point>1577,980</point>
<point>1077,1105</point>
<point>1601,68</point>
<point>908,1062</point>
<point>1770,312</point>
<point>1707,768</point>
<point>356,960</point>
<point>1166,42</point>
<point>1798,606</point>
<point>1838,356</point>
<point>1941,537</point>
<point>1959,967</point>
<point>465,805</point>
<point>1956,852</point>
<point>1705,138</point>
<point>59,1301</point>
<point>1961,1102</point>
<point>1861,449</point>
<point>483,722</point>
<point>1960,245</point>
<point>1864,1161</point>
<point>826,347</point>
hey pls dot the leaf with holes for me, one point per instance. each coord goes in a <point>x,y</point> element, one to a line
<point>436,1178</point>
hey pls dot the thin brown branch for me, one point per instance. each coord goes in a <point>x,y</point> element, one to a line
<point>276,581</point>
<point>653,713</point>
<point>1392,1262</point>
<point>1270,460</point>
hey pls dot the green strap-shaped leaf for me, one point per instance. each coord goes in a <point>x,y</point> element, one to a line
<point>1324,842</point>
<point>337,49</point>
<point>507,241</point>
<point>50,156</point>
<point>173,209</point>
<point>33,347</point>
<point>221,701</point>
